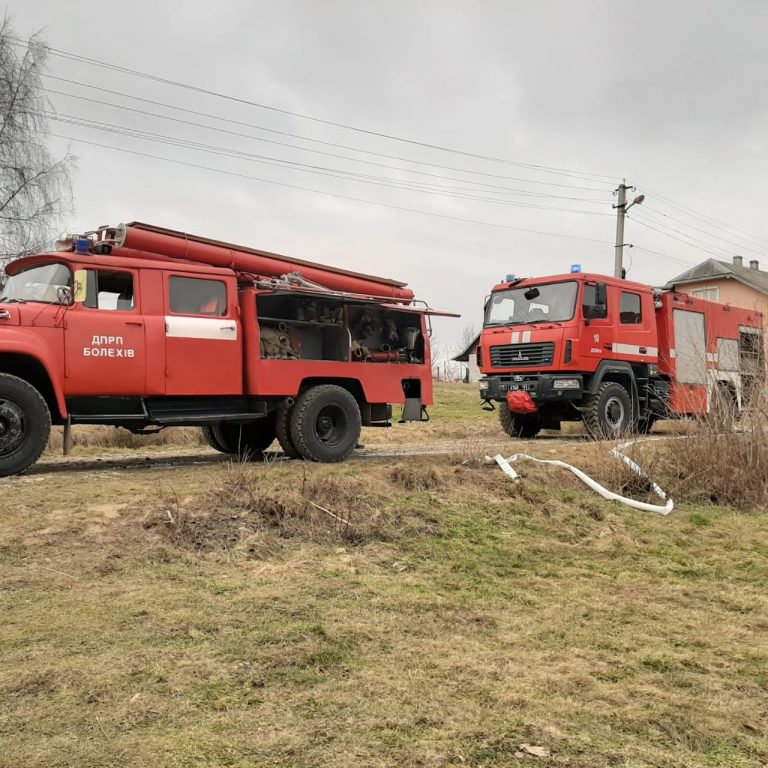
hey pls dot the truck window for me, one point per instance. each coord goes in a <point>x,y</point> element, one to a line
<point>109,290</point>
<point>196,296</point>
<point>630,312</point>
<point>593,303</point>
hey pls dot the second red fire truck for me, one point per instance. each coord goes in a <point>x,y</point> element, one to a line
<point>616,354</point>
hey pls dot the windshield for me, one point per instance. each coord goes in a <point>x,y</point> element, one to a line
<point>49,284</point>
<point>550,303</point>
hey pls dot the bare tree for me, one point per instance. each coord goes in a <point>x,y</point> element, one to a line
<point>468,334</point>
<point>35,189</point>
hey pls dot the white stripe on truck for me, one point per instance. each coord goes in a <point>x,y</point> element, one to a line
<point>634,349</point>
<point>200,328</point>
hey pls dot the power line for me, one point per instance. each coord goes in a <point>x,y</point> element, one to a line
<point>330,194</point>
<point>493,187</point>
<point>663,255</point>
<point>236,99</point>
<point>667,228</point>
<point>289,164</point>
<point>306,138</point>
<point>647,208</point>
<point>674,237</point>
<point>723,226</point>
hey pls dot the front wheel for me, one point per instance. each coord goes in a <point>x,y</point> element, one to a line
<point>325,423</point>
<point>608,412</point>
<point>521,425</point>
<point>25,425</point>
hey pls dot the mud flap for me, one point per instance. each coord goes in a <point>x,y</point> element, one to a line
<point>413,410</point>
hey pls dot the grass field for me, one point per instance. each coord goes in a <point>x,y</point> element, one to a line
<point>435,614</point>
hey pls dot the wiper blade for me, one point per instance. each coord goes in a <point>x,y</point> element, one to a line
<point>13,301</point>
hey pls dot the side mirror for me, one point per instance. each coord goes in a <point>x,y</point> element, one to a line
<point>601,295</point>
<point>64,294</point>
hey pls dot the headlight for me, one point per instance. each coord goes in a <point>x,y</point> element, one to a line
<point>566,384</point>
<point>484,384</point>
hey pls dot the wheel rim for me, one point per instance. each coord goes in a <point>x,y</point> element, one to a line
<point>614,413</point>
<point>12,427</point>
<point>331,425</point>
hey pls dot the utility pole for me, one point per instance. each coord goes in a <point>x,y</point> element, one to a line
<point>621,212</point>
<point>621,205</point>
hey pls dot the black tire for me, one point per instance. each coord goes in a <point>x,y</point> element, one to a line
<point>325,423</point>
<point>283,430</point>
<point>25,425</point>
<point>608,412</point>
<point>246,441</point>
<point>519,425</point>
<point>210,438</point>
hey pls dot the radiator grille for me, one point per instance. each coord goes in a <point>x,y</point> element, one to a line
<point>522,355</point>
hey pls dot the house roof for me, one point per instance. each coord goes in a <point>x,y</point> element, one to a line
<point>713,269</point>
<point>463,357</point>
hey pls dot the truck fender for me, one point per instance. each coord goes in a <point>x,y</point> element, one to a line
<point>611,370</point>
<point>19,354</point>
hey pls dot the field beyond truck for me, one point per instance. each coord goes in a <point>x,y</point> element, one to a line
<point>164,606</point>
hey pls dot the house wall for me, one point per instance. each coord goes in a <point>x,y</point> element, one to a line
<point>731,292</point>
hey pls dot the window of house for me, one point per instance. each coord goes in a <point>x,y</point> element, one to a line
<point>710,294</point>
<point>630,312</point>
<point>109,290</point>
<point>196,296</point>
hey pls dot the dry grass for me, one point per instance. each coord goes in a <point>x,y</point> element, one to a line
<point>458,616</point>
<point>90,437</point>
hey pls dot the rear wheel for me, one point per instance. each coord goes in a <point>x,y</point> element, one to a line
<point>210,438</point>
<point>608,412</point>
<point>522,425</point>
<point>243,440</point>
<point>283,430</point>
<point>325,423</point>
<point>25,425</point>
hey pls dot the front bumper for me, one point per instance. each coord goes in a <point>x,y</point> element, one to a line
<point>540,386</point>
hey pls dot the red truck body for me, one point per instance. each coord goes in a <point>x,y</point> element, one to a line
<point>615,353</point>
<point>143,327</point>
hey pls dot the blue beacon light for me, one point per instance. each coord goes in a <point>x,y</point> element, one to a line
<point>575,268</point>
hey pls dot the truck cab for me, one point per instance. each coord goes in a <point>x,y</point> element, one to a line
<point>569,347</point>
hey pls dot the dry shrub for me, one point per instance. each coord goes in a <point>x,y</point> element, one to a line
<point>724,460</point>
<point>721,459</point>
<point>252,511</point>
<point>416,478</point>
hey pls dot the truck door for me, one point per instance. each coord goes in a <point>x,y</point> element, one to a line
<point>104,345</point>
<point>597,308</point>
<point>203,336</point>
<point>636,339</point>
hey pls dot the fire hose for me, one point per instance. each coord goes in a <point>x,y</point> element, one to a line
<point>617,452</point>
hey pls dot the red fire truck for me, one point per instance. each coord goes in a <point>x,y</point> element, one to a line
<point>613,353</point>
<point>143,328</point>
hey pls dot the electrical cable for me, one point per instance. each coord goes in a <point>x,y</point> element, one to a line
<point>312,140</point>
<point>331,194</point>
<point>494,187</point>
<point>291,165</point>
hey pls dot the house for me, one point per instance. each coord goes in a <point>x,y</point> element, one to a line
<point>470,373</point>
<point>726,282</point>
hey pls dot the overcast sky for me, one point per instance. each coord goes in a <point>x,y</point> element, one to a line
<point>670,95</point>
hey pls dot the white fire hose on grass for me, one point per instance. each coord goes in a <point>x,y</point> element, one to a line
<point>618,452</point>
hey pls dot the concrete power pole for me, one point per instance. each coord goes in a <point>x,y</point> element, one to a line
<point>621,212</point>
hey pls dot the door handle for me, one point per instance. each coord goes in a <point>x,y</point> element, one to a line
<point>643,351</point>
<point>609,347</point>
<point>5,315</point>
<point>228,328</point>
<point>134,322</point>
